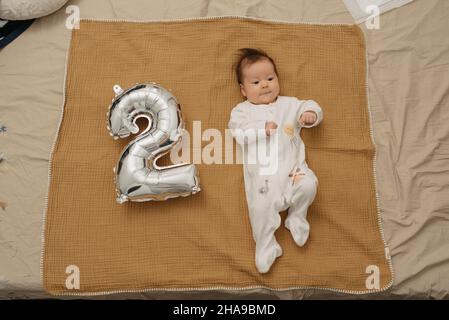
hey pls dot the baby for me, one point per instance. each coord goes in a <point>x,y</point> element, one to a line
<point>293,185</point>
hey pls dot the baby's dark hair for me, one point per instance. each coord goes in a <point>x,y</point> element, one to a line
<point>247,56</point>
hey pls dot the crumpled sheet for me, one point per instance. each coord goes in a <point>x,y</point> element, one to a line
<point>409,94</point>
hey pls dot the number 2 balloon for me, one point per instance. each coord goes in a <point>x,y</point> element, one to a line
<point>137,176</point>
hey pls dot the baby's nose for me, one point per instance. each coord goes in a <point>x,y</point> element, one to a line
<point>264,83</point>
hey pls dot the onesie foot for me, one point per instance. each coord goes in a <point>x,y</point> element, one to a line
<point>266,258</point>
<point>299,230</point>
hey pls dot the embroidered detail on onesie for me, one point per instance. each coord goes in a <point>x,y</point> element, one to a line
<point>289,131</point>
<point>296,174</point>
<point>264,189</point>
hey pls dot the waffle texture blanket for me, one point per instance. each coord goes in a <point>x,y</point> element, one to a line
<point>204,241</point>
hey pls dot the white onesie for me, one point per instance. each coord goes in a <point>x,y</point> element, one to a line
<point>270,185</point>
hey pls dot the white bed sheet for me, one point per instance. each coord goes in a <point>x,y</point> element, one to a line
<point>408,87</point>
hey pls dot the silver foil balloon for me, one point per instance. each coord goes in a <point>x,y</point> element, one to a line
<point>137,176</point>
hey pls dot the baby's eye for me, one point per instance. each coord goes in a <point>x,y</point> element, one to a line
<point>256,82</point>
<point>270,78</point>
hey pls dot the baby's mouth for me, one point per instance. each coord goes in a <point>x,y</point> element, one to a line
<point>265,93</point>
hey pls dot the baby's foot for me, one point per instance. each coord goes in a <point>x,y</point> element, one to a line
<point>266,258</point>
<point>299,228</point>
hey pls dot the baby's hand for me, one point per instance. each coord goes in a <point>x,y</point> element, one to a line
<point>307,118</point>
<point>270,126</point>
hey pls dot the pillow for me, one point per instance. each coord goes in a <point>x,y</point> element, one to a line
<point>28,9</point>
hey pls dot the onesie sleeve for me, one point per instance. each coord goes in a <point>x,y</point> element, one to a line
<point>310,105</point>
<point>244,129</point>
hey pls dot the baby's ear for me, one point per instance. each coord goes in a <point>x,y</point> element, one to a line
<point>242,90</point>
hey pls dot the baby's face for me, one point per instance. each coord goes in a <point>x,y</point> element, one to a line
<point>260,82</point>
